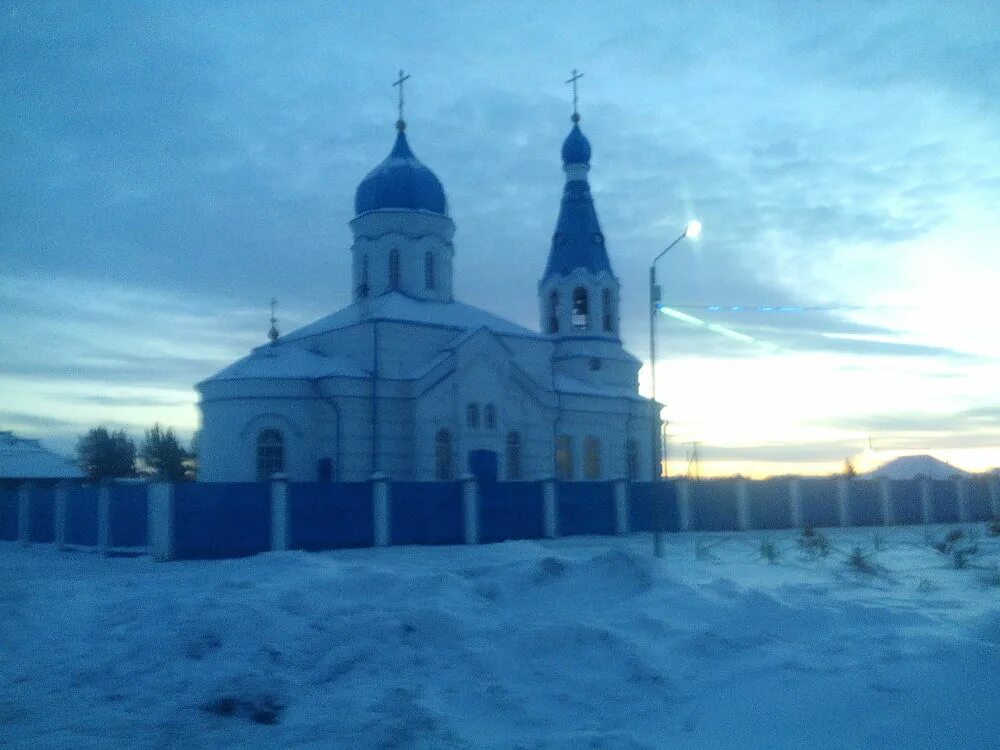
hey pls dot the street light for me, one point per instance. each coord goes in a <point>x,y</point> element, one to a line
<point>692,230</point>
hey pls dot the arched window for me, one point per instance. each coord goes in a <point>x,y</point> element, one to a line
<point>394,270</point>
<point>513,455</point>
<point>553,312</point>
<point>632,459</point>
<point>490,416</point>
<point>472,415</point>
<point>363,282</point>
<point>442,456</point>
<point>270,454</point>
<point>564,457</point>
<point>581,318</point>
<point>592,458</point>
<point>607,305</point>
<point>429,270</point>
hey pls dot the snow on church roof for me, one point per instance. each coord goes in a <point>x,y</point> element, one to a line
<point>27,459</point>
<point>399,307</point>
<point>290,362</point>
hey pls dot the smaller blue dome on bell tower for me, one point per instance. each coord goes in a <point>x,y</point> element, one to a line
<point>576,147</point>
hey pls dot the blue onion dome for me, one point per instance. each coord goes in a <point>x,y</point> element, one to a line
<point>576,147</point>
<point>401,181</point>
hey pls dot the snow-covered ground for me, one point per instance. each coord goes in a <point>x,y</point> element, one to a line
<point>574,643</point>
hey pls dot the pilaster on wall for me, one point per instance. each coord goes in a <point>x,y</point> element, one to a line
<point>279,513</point>
<point>161,520</point>
<point>61,513</point>
<point>885,500</point>
<point>962,495</point>
<point>843,502</point>
<point>550,515</point>
<point>795,501</point>
<point>622,523</point>
<point>926,506</point>
<point>24,513</point>
<point>684,504</point>
<point>470,508</point>
<point>104,517</point>
<point>380,508</point>
<point>742,508</point>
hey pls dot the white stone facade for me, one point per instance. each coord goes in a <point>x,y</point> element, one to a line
<point>406,382</point>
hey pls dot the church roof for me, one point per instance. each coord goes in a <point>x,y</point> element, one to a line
<point>578,241</point>
<point>401,181</point>
<point>27,459</point>
<point>399,307</point>
<point>270,361</point>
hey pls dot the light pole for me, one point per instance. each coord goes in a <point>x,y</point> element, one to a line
<point>692,230</point>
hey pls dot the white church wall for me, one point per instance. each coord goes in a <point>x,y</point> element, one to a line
<point>411,234</point>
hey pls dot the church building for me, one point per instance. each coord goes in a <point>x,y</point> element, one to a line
<point>410,383</point>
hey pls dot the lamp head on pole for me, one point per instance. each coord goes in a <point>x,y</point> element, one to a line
<point>693,229</point>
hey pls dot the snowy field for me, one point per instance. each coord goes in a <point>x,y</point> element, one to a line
<point>574,643</point>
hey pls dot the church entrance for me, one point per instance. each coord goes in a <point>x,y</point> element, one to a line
<point>483,465</point>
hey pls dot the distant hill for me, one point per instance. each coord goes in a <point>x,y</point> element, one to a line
<point>910,467</point>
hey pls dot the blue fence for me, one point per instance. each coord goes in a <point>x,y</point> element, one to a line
<point>426,513</point>
<point>864,502</point>
<point>907,502</point>
<point>330,516</point>
<point>127,516</point>
<point>216,520</point>
<point>586,508</point>
<point>713,505</point>
<point>510,510</point>
<point>82,516</point>
<point>768,505</point>
<point>944,501</point>
<point>8,515</point>
<point>642,497</point>
<point>979,501</point>
<point>43,515</point>
<point>819,502</point>
<point>212,520</point>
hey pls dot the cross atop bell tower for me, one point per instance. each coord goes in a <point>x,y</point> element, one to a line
<point>403,77</point>
<point>573,79</point>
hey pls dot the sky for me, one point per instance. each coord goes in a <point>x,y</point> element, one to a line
<point>168,168</point>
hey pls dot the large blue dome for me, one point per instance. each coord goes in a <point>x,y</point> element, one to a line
<point>576,147</point>
<point>401,182</point>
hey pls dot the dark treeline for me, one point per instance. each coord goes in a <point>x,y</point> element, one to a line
<point>112,454</point>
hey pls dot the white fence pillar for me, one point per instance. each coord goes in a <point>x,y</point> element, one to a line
<point>61,513</point>
<point>24,513</point>
<point>962,496</point>
<point>470,508</point>
<point>742,505</point>
<point>622,522</point>
<point>550,514</point>
<point>279,513</point>
<point>795,503</point>
<point>885,500</point>
<point>926,506</point>
<point>104,517</point>
<point>684,504</point>
<point>380,507</point>
<point>160,496</point>
<point>843,502</point>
